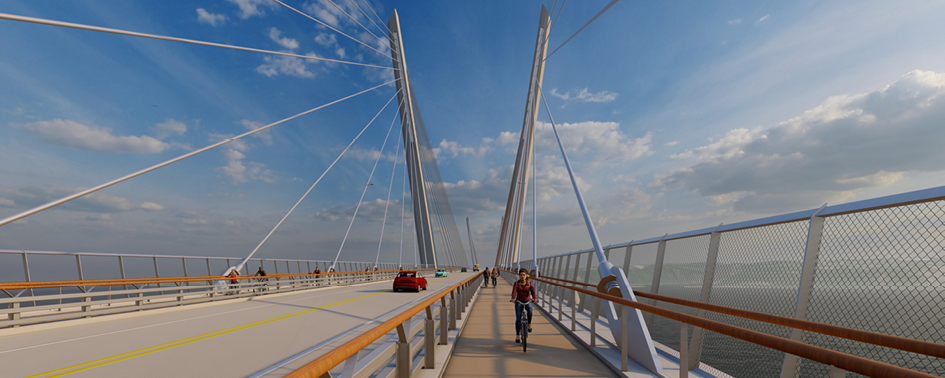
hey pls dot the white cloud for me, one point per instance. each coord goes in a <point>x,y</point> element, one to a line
<point>151,206</point>
<point>327,40</point>
<point>209,18</point>
<point>670,144</point>
<point>847,143</point>
<point>735,21</point>
<point>507,137</point>
<point>602,96</point>
<point>32,196</point>
<point>603,140</point>
<point>340,52</point>
<point>249,8</point>
<point>235,169</point>
<point>762,19</point>
<point>168,128</point>
<point>585,95</point>
<point>92,138</point>
<point>287,65</point>
<point>369,210</point>
<point>454,149</point>
<point>276,36</point>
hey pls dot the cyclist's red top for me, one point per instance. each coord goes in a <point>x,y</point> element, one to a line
<point>525,293</point>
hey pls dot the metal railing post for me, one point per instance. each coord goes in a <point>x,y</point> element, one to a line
<point>657,272</point>
<point>572,310</point>
<point>429,339</point>
<point>836,372</point>
<point>14,315</point>
<point>452,311</point>
<point>695,346</point>
<point>805,288</point>
<point>26,274</point>
<point>403,354</point>
<point>683,352</point>
<point>624,340</point>
<point>78,265</point>
<point>87,308</point>
<point>595,310</point>
<point>444,322</point>
<point>587,278</point>
<point>577,263</point>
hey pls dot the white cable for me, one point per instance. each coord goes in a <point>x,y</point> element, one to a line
<point>356,21</point>
<point>240,266</point>
<point>174,39</point>
<point>612,3</point>
<point>184,156</point>
<point>335,30</point>
<point>535,215</point>
<point>375,15</point>
<point>356,208</point>
<point>387,205</point>
<point>384,32</point>
<point>577,191</point>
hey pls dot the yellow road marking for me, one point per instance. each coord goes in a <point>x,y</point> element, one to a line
<point>160,347</point>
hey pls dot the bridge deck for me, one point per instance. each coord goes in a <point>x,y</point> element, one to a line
<point>487,346</point>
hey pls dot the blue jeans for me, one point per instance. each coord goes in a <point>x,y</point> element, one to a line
<point>518,316</point>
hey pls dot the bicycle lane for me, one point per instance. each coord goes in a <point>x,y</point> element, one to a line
<point>487,346</point>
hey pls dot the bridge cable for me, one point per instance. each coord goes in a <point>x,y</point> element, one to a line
<point>606,8</point>
<point>592,232</point>
<point>333,29</point>
<point>181,157</point>
<point>387,204</point>
<point>535,214</point>
<point>384,32</point>
<point>368,183</point>
<point>240,266</point>
<point>41,21</point>
<point>375,15</point>
<point>359,24</point>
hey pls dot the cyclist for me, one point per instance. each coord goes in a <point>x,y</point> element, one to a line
<point>485,276</point>
<point>522,292</point>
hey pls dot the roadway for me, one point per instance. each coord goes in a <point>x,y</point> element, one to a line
<point>228,338</point>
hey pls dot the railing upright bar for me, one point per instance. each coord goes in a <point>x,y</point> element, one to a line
<point>695,346</point>
<point>577,263</point>
<point>815,229</point>
<point>683,349</point>
<point>587,277</point>
<point>657,272</point>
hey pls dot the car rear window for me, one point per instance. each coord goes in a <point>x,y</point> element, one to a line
<point>408,275</point>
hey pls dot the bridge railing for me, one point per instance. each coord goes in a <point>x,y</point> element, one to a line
<point>418,338</point>
<point>875,265</point>
<point>564,292</point>
<point>150,293</point>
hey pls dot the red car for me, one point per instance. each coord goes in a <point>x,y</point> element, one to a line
<point>410,280</point>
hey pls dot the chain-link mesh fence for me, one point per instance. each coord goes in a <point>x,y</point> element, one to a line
<point>681,277</point>
<point>757,269</point>
<point>882,271</point>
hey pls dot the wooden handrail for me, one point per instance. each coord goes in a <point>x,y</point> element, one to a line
<point>841,360</point>
<point>321,365</point>
<point>875,338</point>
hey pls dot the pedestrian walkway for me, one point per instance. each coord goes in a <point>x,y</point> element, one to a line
<point>487,347</point>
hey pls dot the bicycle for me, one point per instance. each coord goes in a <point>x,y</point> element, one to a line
<point>524,323</point>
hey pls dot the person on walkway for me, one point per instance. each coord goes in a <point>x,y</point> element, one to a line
<point>317,274</point>
<point>233,281</point>
<point>485,277</point>
<point>522,291</point>
<point>493,275</point>
<point>261,273</point>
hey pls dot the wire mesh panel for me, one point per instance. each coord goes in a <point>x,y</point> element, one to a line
<point>882,271</point>
<point>642,265</point>
<point>683,272</point>
<point>758,269</point>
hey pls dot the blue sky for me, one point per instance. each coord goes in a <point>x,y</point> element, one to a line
<point>677,114</point>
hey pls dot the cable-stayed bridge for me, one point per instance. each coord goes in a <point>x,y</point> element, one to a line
<point>786,292</point>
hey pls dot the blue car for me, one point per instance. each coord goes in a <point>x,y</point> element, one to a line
<point>440,273</point>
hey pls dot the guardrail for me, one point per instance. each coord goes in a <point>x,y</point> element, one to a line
<point>406,345</point>
<point>17,311</point>
<point>836,359</point>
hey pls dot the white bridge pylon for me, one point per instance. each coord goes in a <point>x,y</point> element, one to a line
<point>432,214</point>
